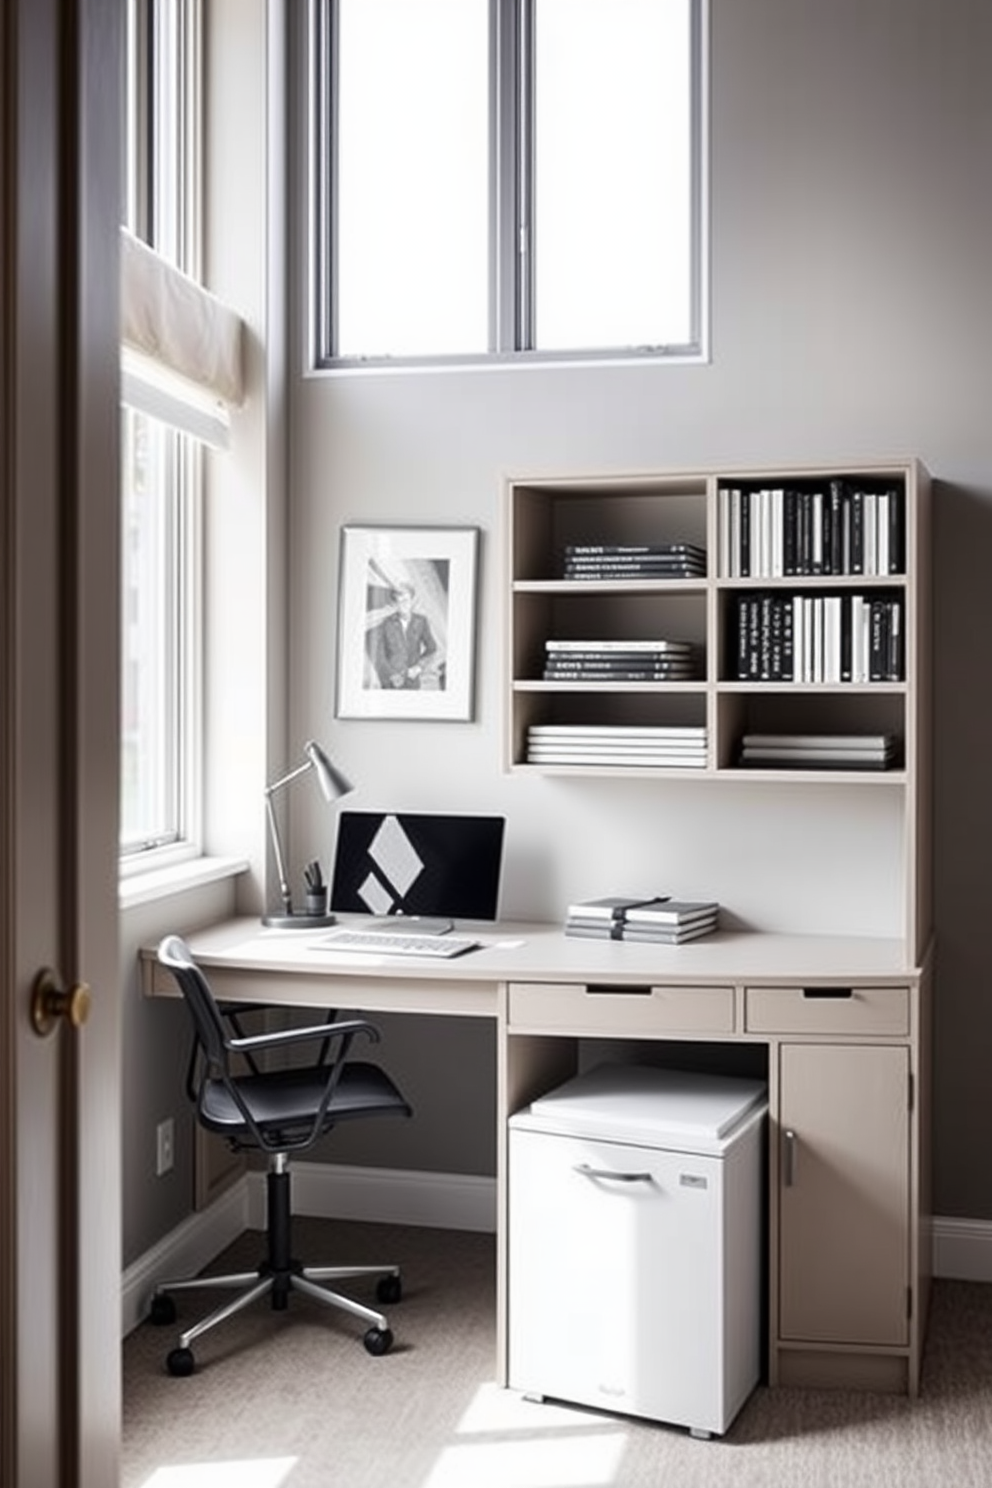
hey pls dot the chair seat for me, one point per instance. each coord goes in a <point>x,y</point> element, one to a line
<point>284,1100</point>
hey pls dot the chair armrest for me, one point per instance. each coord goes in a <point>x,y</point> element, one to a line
<point>319,1033</point>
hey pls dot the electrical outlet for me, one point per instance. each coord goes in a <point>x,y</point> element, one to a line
<point>165,1147</point>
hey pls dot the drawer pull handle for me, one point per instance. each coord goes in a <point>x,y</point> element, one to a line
<point>604,989</point>
<point>789,1157</point>
<point>837,994</point>
<point>610,1175</point>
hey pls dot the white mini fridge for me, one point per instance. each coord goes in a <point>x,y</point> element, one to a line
<point>635,1244</point>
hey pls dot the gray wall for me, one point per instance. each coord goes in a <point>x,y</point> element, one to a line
<point>851,244</point>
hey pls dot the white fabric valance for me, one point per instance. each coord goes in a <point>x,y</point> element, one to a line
<point>181,346</point>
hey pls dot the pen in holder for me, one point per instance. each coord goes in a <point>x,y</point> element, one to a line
<point>316,891</point>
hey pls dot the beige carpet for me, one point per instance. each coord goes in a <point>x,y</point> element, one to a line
<point>293,1400</point>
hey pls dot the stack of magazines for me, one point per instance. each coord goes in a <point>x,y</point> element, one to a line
<point>654,745</point>
<point>633,561</point>
<point>619,661</point>
<point>658,919</point>
<point>819,751</point>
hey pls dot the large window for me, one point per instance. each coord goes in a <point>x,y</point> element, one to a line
<point>506,178</point>
<point>161,465</point>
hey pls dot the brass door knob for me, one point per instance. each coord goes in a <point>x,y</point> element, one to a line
<point>50,1001</point>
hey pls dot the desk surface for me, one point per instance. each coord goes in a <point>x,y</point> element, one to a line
<point>522,952</point>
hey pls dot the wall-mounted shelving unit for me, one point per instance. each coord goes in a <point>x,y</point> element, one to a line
<point>820,551</point>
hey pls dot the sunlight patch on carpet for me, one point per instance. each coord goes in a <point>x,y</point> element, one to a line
<point>261,1472</point>
<point>508,1441</point>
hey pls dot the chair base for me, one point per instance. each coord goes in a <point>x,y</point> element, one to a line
<point>276,1277</point>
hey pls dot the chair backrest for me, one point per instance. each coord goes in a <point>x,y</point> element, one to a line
<point>175,955</point>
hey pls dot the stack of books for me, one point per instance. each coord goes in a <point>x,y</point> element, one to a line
<point>819,751</point>
<point>834,527</point>
<point>619,661</point>
<point>818,638</point>
<point>655,746</point>
<point>633,561</point>
<point>657,919</point>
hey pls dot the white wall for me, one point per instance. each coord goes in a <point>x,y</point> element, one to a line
<point>851,315</point>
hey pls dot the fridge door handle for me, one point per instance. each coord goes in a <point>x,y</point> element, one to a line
<point>789,1157</point>
<point>611,1175</point>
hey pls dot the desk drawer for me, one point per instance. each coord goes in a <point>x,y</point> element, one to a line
<point>836,1010</point>
<point>601,1008</point>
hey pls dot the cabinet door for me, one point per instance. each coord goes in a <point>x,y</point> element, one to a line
<point>844,1194</point>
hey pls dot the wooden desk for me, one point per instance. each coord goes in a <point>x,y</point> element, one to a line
<point>845,1025</point>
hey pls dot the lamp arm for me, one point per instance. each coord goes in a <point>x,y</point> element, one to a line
<point>270,790</point>
<point>277,843</point>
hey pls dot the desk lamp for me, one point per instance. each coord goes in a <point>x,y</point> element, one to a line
<point>333,785</point>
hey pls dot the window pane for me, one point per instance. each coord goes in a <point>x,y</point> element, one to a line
<point>150,663</point>
<point>613,180</point>
<point>412,186</point>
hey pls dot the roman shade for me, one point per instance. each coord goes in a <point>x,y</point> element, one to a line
<point>181,347</point>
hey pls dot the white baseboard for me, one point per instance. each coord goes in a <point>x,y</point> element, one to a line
<point>962,1248</point>
<point>183,1252</point>
<point>446,1201</point>
<point>449,1201</point>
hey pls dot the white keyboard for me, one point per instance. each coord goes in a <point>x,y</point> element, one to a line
<point>393,943</point>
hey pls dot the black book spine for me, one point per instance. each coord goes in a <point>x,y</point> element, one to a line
<point>789,532</point>
<point>896,654</point>
<point>845,639</point>
<point>836,505</point>
<point>786,608</point>
<point>754,640</point>
<point>765,638</point>
<point>857,532</point>
<point>741,672</point>
<point>897,531</point>
<point>805,532</point>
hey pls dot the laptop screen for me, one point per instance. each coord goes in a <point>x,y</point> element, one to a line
<point>410,863</point>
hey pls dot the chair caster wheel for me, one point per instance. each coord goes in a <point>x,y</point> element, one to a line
<point>377,1341</point>
<point>389,1289</point>
<point>162,1311</point>
<point>180,1362</point>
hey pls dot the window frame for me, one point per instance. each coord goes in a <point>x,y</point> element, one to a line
<point>163,174</point>
<point>512,310</point>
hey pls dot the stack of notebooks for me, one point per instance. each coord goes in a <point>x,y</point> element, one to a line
<point>633,561</point>
<point>654,746</point>
<point>819,751</point>
<point>659,919</point>
<point>619,661</point>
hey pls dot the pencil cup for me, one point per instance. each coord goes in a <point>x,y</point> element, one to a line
<point>316,902</point>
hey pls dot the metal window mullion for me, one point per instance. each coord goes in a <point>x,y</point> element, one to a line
<point>504,136</point>
<point>189,184</point>
<point>189,640</point>
<point>135,163</point>
<point>526,165</point>
<point>169,781</point>
<point>699,186</point>
<point>325,134</point>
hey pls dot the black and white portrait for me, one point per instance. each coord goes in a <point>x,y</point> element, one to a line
<point>406,622</point>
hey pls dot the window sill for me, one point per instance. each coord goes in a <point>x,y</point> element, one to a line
<point>161,883</point>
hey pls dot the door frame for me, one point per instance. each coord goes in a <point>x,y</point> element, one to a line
<point>60,1192</point>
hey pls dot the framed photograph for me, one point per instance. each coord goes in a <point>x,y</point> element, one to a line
<point>406,622</point>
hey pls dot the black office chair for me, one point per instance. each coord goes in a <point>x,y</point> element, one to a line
<point>276,1111</point>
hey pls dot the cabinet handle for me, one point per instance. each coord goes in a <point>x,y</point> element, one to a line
<point>608,1173</point>
<point>789,1157</point>
<point>836,994</point>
